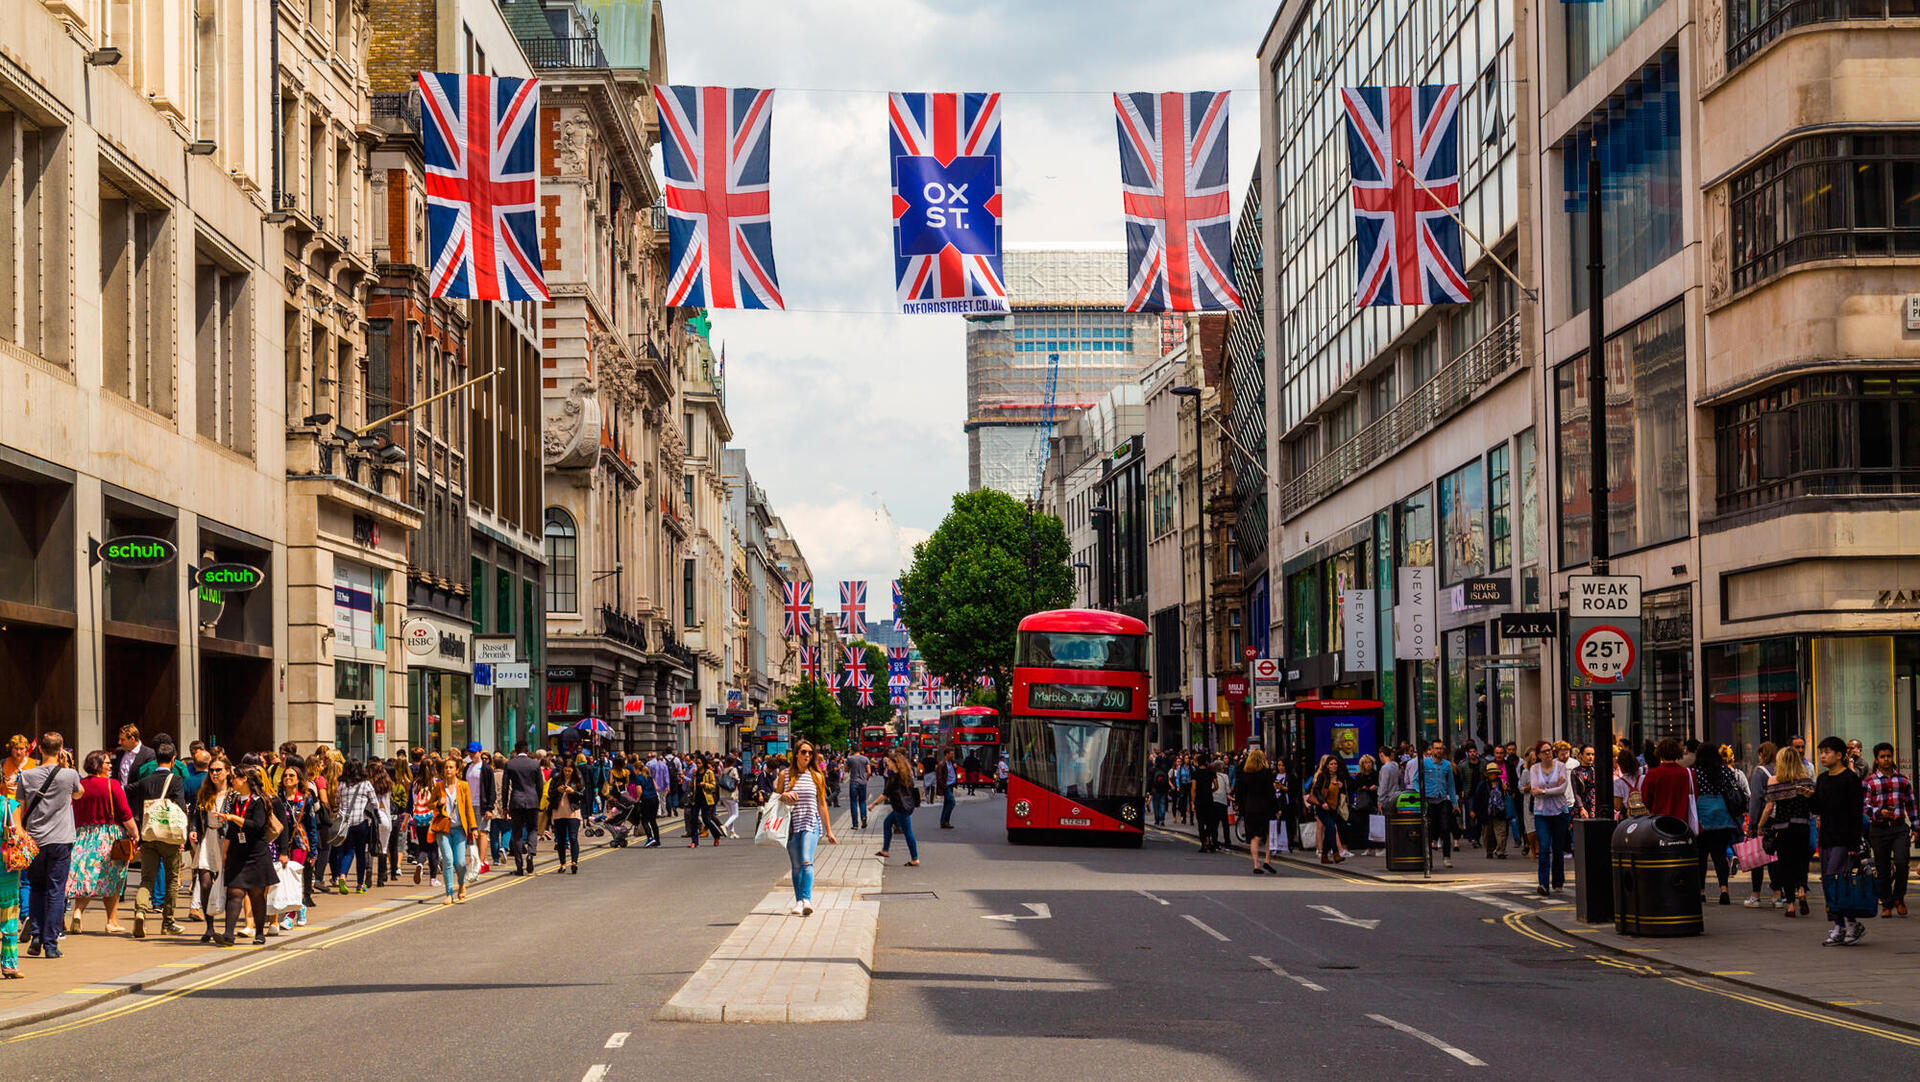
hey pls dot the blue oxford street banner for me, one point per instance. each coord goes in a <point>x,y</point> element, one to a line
<point>945,153</point>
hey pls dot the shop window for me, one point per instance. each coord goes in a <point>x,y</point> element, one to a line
<point>1414,517</point>
<point>1836,434</point>
<point>1499,508</point>
<point>1826,196</point>
<point>1753,695</point>
<point>1647,412</point>
<point>1463,523</point>
<point>563,572</point>
<point>1853,691</point>
<point>1304,618</point>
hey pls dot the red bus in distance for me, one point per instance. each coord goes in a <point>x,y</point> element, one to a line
<point>972,730</point>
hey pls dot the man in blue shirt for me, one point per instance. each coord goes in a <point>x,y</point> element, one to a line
<point>1434,783</point>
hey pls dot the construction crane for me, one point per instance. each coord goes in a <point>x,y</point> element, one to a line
<point>1046,431</point>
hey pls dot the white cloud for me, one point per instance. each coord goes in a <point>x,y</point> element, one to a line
<point>841,402</point>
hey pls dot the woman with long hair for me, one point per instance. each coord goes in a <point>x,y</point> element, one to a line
<point>293,805</point>
<point>454,829</point>
<point>901,798</point>
<point>103,818</point>
<point>1757,782</point>
<point>1254,795</point>
<point>1326,795</point>
<point>9,892</point>
<point>380,831</point>
<point>804,790</point>
<point>203,838</point>
<point>1716,796</point>
<point>1785,821</point>
<point>353,831</point>
<point>566,796</point>
<point>248,869</point>
<point>1365,802</point>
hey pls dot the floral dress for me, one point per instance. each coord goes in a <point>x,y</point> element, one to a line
<point>95,874</point>
<point>9,898</point>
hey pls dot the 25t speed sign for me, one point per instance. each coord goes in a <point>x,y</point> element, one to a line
<point>1603,653</point>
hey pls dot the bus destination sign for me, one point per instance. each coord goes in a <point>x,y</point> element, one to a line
<point>1100,697</point>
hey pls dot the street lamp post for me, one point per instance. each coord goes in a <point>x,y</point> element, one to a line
<point>1200,494</point>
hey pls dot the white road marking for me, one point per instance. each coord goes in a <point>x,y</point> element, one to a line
<point>1337,917</point>
<point>1202,925</point>
<point>1152,897</point>
<point>1039,909</point>
<point>1511,907</point>
<point>595,1073</point>
<point>1301,981</point>
<point>1464,1057</point>
<point>617,1040</point>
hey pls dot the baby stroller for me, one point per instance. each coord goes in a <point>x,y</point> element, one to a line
<point>618,819</point>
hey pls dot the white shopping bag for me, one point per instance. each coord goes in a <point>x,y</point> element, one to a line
<point>774,821</point>
<point>1277,836</point>
<point>1377,829</point>
<point>1310,835</point>
<point>284,896</point>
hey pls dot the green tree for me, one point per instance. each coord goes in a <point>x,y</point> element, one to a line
<point>881,712</point>
<point>989,564</point>
<point>814,714</point>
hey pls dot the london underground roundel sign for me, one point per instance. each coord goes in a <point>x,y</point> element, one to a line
<point>1604,653</point>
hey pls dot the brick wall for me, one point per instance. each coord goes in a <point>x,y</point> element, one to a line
<point>402,42</point>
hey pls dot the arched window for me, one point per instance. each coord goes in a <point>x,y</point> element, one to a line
<point>563,562</point>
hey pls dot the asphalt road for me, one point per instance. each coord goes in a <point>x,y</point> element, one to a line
<point>1154,963</point>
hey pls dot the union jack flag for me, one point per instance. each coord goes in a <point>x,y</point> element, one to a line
<point>799,608</point>
<point>898,681</point>
<point>856,665</point>
<point>946,202</point>
<point>933,681</point>
<point>1404,142</point>
<point>866,691</point>
<point>718,146</point>
<point>810,662</point>
<point>983,680</point>
<point>899,607</point>
<point>1173,187</point>
<point>483,188</point>
<point>853,607</point>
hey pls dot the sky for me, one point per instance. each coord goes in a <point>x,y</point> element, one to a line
<point>851,413</point>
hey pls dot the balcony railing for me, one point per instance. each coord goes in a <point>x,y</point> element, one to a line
<point>623,628</point>
<point>397,109</point>
<point>565,52</point>
<point>1440,397</point>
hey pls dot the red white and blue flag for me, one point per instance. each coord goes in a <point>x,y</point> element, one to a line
<point>718,146</point>
<point>1404,142</point>
<point>945,153</point>
<point>983,680</point>
<point>810,662</point>
<point>853,608</point>
<point>799,608</point>
<point>866,690</point>
<point>483,186</point>
<point>856,665</point>
<point>1173,187</point>
<point>899,607</point>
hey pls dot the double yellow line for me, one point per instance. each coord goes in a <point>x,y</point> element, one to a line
<point>424,908</point>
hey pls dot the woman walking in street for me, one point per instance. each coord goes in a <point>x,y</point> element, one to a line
<point>293,805</point>
<point>901,798</point>
<point>105,842</point>
<point>1785,819</point>
<point>729,779</point>
<point>380,830</point>
<point>1718,803</point>
<point>1365,803</point>
<point>248,869</point>
<point>643,789</point>
<point>566,796</point>
<point>1326,797</point>
<point>454,829</point>
<point>1253,793</point>
<point>203,838</point>
<point>1757,782</point>
<point>353,830</point>
<point>9,890</point>
<point>1550,795</point>
<point>804,790</point>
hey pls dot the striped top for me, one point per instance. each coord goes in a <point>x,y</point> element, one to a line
<point>806,806</point>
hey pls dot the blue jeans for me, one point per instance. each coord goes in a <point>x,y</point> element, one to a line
<point>566,835</point>
<point>903,821</point>
<point>1159,809</point>
<point>800,848</point>
<point>498,832</point>
<point>857,800</point>
<point>48,876</point>
<point>1556,838</point>
<point>946,808</point>
<point>453,859</point>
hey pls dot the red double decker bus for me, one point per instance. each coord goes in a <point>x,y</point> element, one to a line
<point>1077,741</point>
<point>873,740</point>
<point>972,730</point>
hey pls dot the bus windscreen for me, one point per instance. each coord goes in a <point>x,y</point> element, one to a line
<point>1082,650</point>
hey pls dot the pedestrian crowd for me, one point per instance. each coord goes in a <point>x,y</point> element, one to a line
<point>1852,813</point>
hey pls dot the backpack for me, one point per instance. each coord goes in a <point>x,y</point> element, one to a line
<point>1496,803</point>
<point>1636,804</point>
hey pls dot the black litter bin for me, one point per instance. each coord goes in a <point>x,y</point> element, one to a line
<point>1656,878</point>
<point>1405,853</point>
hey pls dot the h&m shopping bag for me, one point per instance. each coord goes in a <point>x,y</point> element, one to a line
<point>774,821</point>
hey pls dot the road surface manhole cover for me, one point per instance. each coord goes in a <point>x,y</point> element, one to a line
<point>899,896</point>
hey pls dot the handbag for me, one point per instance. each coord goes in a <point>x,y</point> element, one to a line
<point>1377,829</point>
<point>1853,892</point>
<point>1714,813</point>
<point>1309,835</point>
<point>123,850</point>
<point>162,820</point>
<point>775,821</point>
<point>1753,853</point>
<point>285,895</point>
<point>17,849</point>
